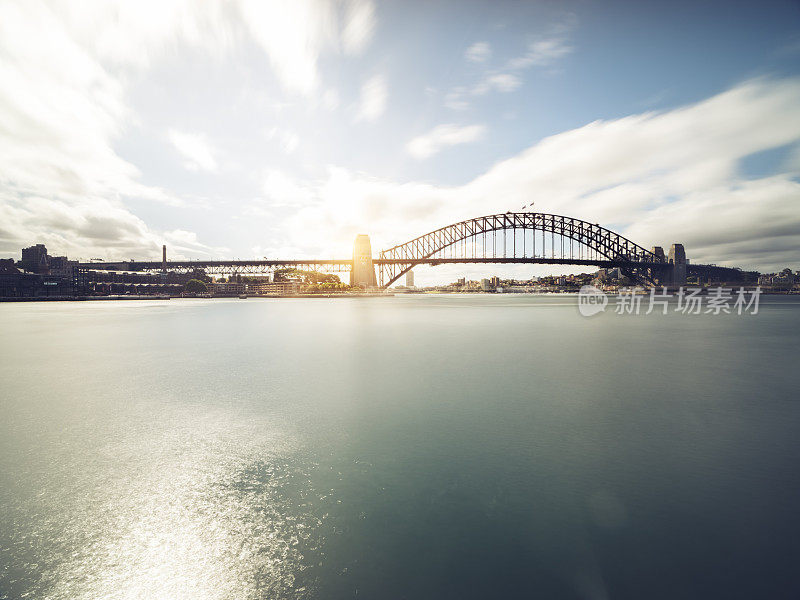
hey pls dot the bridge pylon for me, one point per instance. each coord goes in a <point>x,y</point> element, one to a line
<point>677,265</point>
<point>363,272</point>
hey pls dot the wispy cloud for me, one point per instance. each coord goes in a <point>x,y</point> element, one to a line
<point>295,34</point>
<point>443,136</point>
<point>195,149</point>
<point>374,97</point>
<point>478,52</point>
<point>501,82</point>
<point>360,23</point>
<point>456,99</point>
<point>544,51</point>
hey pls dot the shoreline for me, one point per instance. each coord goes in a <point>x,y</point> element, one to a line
<point>310,295</point>
<point>156,297</point>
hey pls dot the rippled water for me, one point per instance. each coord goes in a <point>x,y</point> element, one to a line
<point>405,447</point>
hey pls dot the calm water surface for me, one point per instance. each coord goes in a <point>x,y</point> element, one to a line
<point>408,447</point>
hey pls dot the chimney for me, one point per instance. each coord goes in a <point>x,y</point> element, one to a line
<point>164,258</point>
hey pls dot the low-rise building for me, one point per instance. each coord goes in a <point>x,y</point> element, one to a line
<point>275,288</point>
<point>227,288</point>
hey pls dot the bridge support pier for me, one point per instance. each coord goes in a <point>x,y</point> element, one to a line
<point>363,272</point>
<point>676,273</point>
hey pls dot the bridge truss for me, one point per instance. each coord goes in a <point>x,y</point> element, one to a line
<point>521,237</point>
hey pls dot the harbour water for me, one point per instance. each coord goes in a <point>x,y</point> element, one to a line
<point>418,446</point>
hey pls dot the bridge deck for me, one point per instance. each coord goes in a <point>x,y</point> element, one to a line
<point>277,263</point>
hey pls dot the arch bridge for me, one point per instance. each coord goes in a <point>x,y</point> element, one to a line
<point>524,237</point>
<point>505,238</point>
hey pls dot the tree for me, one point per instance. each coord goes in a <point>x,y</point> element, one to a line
<point>308,277</point>
<point>195,286</point>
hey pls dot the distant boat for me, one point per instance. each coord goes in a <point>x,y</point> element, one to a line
<point>243,297</point>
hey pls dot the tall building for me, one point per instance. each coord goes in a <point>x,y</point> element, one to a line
<point>34,258</point>
<point>363,271</point>
<point>410,279</point>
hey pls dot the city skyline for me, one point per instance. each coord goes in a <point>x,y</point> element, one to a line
<point>241,130</point>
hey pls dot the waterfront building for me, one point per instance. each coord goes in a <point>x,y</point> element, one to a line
<point>277,288</point>
<point>61,266</point>
<point>34,258</point>
<point>227,288</point>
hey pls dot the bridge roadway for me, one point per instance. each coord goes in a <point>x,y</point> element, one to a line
<point>255,267</point>
<point>265,266</point>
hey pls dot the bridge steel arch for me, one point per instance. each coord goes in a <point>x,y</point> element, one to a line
<point>608,245</point>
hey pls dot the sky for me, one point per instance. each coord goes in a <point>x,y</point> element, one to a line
<point>245,128</point>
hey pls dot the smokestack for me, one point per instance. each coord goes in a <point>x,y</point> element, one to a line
<point>164,258</point>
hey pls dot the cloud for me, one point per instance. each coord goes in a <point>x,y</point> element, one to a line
<point>122,34</point>
<point>288,140</point>
<point>544,51</point>
<point>344,204</point>
<point>330,99</point>
<point>550,47</point>
<point>442,136</point>
<point>479,52</point>
<point>65,70</point>
<point>359,26</point>
<point>194,147</point>
<point>501,82</point>
<point>62,109</point>
<point>658,177</point>
<point>180,242</point>
<point>294,35</point>
<point>374,96</point>
<point>455,99</point>
<point>59,109</point>
<point>281,190</point>
<point>93,228</point>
